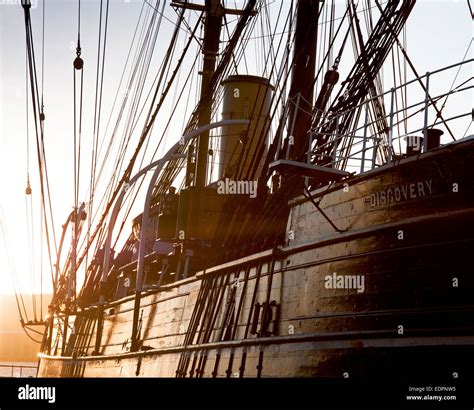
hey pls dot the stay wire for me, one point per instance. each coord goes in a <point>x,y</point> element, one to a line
<point>150,119</point>
<point>164,131</point>
<point>44,180</point>
<point>42,130</point>
<point>94,133</point>
<point>42,58</point>
<point>27,121</point>
<point>116,97</point>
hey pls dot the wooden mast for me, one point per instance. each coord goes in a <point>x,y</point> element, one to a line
<point>214,14</point>
<point>210,50</point>
<point>303,71</point>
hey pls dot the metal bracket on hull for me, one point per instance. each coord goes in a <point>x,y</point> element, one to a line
<point>308,195</point>
<point>308,170</point>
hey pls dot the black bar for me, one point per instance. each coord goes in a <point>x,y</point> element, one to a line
<point>235,393</point>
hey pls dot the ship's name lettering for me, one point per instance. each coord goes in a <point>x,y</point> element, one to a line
<point>401,193</point>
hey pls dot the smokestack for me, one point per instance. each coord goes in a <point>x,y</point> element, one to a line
<point>433,137</point>
<point>245,97</point>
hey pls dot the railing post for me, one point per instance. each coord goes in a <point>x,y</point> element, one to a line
<point>390,131</point>
<point>375,146</point>
<point>334,157</point>
<point>308,155</point>
<point>64,344</point>
<point>425,124</point>
<point>364,141</point>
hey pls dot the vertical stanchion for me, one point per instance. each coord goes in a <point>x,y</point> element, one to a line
<point>374,154</point>
<point>335,144</point>
<point>390,131</point>
<point>425,123</point>
<point>308,155</point>
<point>364,140</point>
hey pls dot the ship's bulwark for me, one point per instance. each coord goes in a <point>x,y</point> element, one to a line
<point>301,310</point>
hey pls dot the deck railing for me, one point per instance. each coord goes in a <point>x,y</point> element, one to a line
<point>12,370</point>
<point>370,148</point>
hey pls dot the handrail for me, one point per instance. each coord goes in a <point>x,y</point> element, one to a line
<point>13,367</point>
<point>386,93</point>
<point>344,155</point>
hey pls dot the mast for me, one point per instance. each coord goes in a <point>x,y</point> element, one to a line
<point>303,71</point>
<point>210,50</point>
<point>214,14</point>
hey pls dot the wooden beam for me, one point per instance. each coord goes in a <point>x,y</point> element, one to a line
<point>201,7</point>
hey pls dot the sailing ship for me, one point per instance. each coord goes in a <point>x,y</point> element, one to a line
<point>301,226</point>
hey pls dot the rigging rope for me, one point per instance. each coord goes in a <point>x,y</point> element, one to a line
<point>97,178</point>
<point>78,65</point>
<point>455,78</point>
<point>29,204</point>
<point>39,131</point>
<point>148,125</point>
<point>42,117</point>
<point>415,72</point>
<point>42,59</point>
<point>164,133</point>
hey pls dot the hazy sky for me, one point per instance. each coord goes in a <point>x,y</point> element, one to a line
<point>439,33</point>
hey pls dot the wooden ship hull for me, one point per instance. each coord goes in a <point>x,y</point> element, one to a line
<point>385,287</point>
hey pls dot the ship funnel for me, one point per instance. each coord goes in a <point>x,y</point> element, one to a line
<point>243,147</point>
<point>433,138</point>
